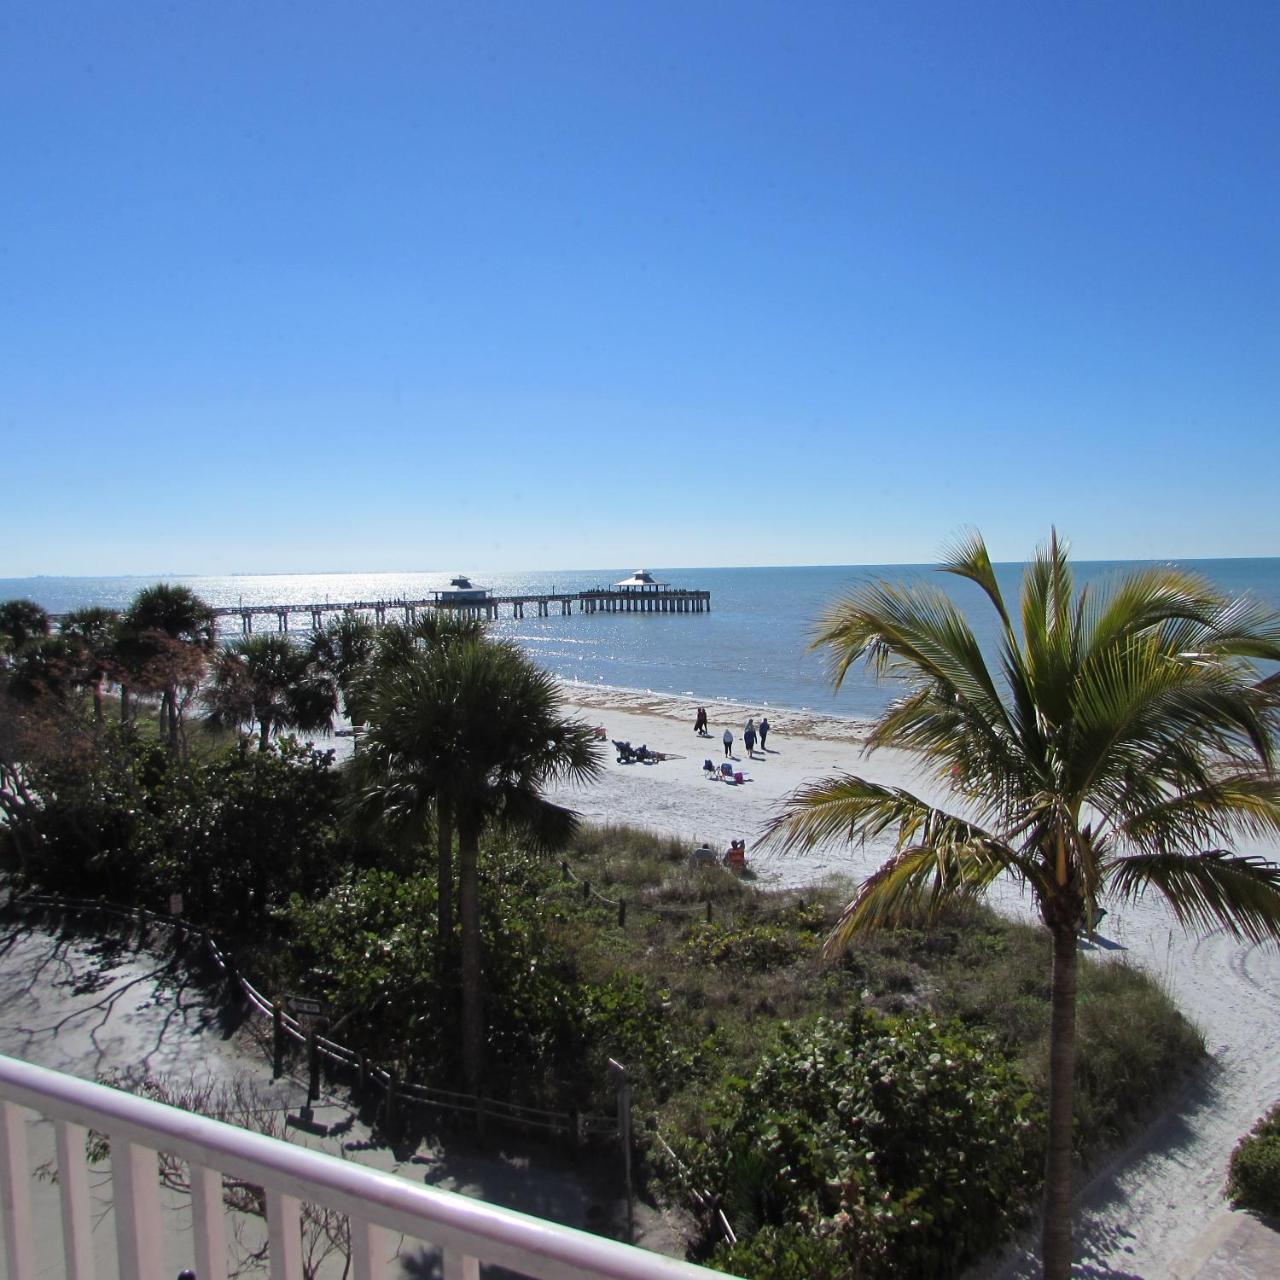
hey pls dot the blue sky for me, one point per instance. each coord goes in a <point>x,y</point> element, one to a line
<point>308,286</point>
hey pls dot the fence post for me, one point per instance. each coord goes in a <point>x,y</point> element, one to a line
<point>586,890</point>
<point>277,1040</point>
<point>233,976</point>
<point>622,914</point>
<point>313,1075</point>
<point>390,1110</point>
<point>708,910</point>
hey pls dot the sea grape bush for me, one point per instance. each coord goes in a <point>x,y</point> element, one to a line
<point>1254,1178</point>
<point>875,1147</point>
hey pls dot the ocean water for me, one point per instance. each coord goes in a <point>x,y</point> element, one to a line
<point>752,648</point>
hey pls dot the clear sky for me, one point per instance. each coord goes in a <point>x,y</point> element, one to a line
<point>307,286</point>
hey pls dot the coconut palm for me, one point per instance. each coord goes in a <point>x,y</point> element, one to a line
<point>92,632</point>
<point>1121,744</point>
<point>270,681</point>
<point>475,727</point>
<point>166,636</point>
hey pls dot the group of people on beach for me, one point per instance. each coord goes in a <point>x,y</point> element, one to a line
<point>735,856</point>
<point>750,734</point>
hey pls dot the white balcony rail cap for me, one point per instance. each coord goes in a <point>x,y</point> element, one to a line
<point>525,1244</point>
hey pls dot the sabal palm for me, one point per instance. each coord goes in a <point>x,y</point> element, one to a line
<point>93,631</point>
<point>1121,744</point>
<point>166,634</point>
<point>342,648</point>
<point>269,680</point>
<point>21,621</point>
<point>475,727</point>
<point>395,647</point>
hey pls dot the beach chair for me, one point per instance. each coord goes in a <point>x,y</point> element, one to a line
<point>626,752</point>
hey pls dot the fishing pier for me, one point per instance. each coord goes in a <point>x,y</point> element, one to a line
<point>639,594</point>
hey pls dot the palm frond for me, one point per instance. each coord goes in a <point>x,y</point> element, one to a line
<point>922,879</point>
<point>1237,804</point>
<point>916,633</point>
<point>1240,894</point>
<point>967,557</point>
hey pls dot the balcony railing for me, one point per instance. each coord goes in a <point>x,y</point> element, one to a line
<point>380,1207</point>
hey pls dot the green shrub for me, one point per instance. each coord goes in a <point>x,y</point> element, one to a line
<point>1253,1181</point>
<point>749,948</point>
<point>902,1146</point>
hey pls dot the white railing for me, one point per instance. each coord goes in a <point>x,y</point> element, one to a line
<point>379,1206</point>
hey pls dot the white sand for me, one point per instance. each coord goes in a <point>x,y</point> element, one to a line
<point>1145,1215</point>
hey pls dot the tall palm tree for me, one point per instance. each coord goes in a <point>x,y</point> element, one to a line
<point>476,727</point>
<point>166,636</point>
<point>269,680</point>
<point>93,633</point>
<point>1121,745</point>
<point>395,647</point>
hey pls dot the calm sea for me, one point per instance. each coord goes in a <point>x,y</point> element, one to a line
<point>751,648</point>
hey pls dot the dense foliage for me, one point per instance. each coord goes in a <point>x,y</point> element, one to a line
<point>906,1147</point>
<point>1254,1177</point>
<point>363,949</point>
<point>111,814</point>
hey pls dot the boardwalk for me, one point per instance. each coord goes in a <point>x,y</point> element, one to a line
<point>664,599</point>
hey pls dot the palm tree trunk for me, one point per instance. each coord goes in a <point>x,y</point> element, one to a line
<point>444,870</point>
<point>124,703</point>
<point>171,703</point>
<point>472,970</point>
<point>264,737</point>
<point>1055,1244</point>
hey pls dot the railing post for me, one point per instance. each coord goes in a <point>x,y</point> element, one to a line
<point>15,1193</point>
<point>73,1184</point>
<point>368,1251</point>
<point>459,1266</point>
<point>139,1232</point>
<point>284,1236</point>
<point>208,1223</point>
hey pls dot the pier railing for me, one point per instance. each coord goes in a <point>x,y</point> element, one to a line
<point>543,605</point>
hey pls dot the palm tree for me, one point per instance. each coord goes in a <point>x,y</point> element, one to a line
<point>166,636</point>
<point>1122,744</point>
<point>475,726</point>
<point>269,680</point>
<point>93,633</point>
<point>395,647</point>
<point>21,621</point>
<point>342,648</point>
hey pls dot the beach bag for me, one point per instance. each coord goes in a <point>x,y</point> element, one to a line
<point>737,777</point>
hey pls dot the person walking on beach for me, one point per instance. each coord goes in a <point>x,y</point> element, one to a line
<point>700,722</point>
<point>764,730</point>
<point>749,739</point>
<point>728,743</point>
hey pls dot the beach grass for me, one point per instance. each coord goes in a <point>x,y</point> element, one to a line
<point>732,982</point>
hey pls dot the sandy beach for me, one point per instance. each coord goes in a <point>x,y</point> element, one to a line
<point>1157,1210</point>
